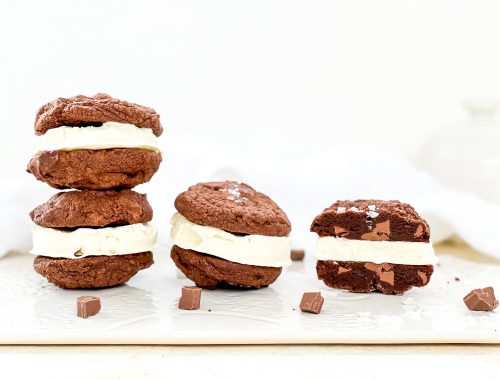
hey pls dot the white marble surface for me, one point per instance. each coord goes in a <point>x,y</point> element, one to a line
<point>145,311</point>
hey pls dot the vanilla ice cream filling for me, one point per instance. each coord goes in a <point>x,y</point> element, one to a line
<point>109,135</point>
<point>267,251</point>
<point>83,242</point>
<point>378,252</point>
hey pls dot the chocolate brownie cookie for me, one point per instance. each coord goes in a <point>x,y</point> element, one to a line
<point>371,220</point>
<point>211,272</point>
<point>233,207</point>
<point>373,245</point>
<point>363,277</point>
<point>228,234</point>
<point>91,208</point>
<point>92,272</point>
<point>80,110</point>
<point>95,169</point>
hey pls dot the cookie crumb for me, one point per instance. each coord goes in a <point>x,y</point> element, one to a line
<point>297,254</point>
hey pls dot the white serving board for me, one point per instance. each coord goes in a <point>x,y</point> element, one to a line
<point>145,310</point>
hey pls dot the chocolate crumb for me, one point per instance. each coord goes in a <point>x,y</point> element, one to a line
<point>190,298</point>
<point>457,279</point>
<point>297,254</point>
<point>481,299</point>
<point>312,302</point>
<point>87,306</point>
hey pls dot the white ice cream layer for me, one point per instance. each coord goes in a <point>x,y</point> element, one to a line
<point>268,251</point>
<point>107,136</point>
<point>394,252</point>
<point>82,242</point>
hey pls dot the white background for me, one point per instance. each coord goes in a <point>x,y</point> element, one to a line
<point>246,78</point>
<point>252,86</point>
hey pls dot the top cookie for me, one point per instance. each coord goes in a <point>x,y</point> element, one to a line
<point>90,208</point>
<point>372,220</point>
<point>233,207</point>
<point>82,110</point>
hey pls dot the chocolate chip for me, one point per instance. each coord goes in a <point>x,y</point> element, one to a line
<point>297,254</point>
<point>457,279</point>
<point>481,299</point>
<point>312,302</point>
<point>86,306</point>
<point>190,298</point>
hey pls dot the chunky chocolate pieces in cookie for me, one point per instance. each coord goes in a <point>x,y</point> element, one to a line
<point>99,236</point>
<point>226,234</point>
<point>96,143</point>
<point>373,245</point>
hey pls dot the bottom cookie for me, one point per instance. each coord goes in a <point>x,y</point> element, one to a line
<point>211,272</point>
<point>363,277</point>
<point>93,271</point>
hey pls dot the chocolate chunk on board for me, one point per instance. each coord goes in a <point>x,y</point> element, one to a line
<point>190,298</point>
<point>312,302</point>
<point>481,299</point>
<point>87,306</point>
<point>297,254</point>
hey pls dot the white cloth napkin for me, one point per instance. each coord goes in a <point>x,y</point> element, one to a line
<point>302,185</point>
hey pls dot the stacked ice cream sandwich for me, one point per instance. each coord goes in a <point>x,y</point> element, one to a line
<point>98,235</point>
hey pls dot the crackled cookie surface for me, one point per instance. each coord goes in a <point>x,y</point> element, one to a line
<point>81,111</point>
<point>90,208</point>
<point>95,169</point>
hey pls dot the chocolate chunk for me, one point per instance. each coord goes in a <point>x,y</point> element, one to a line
<point>87,306</point>
<point>297,254</point>
<point>190,298</point>
<point>481,299</point>
<point>312,302</point>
